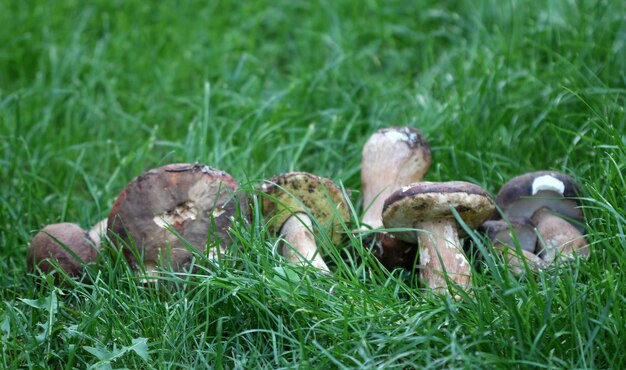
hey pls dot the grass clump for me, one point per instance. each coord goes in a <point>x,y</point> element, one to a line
<point>91,95</point>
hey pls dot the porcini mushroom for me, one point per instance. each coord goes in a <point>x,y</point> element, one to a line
<point>429,207</point>
<point>558,238</point>
<point>391,158</point>
<point>507,235</point>
<point>549,199</point>
<point>53,243</point>
<point>197,202</point>
<point>290,199</point>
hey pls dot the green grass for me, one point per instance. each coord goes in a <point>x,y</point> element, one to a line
<point>93,94</point>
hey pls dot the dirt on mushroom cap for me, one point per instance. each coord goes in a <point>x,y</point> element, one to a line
<point>414,203</point>
<point>190,198</point>
<point>295,192</point>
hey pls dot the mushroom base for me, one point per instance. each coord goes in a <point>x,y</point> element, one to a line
<point>300,245</point>
<point>441,255</point>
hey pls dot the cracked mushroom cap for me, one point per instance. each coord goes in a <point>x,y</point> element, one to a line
<point>192,199</point>
<point>523,195</point>
<point>426,201</point>
<point>295,192</point>
<point>45,246</point>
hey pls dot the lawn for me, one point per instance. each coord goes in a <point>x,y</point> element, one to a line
<point>92,94</point>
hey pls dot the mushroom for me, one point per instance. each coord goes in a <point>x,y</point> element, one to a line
<point>67,243</point>
<point>558,238</point>
<point>547,198</point>
<point>290,199</point>
<point>167,209</point>
<point>430,208</point>
<point>98,231</point>
<point>391,158</point>
<point>507,235</point>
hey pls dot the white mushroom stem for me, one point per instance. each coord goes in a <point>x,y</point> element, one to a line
<point>98,231</point>
<point>440,250</point>
<point>300,245</point>
<point>390,159</point>
<point>557,237</point>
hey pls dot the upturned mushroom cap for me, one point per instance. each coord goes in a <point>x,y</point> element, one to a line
<point>412,204</point>
<point>295,192</point>
<point>523,195</point>
<point>190,198</point>
<point>44,248</point>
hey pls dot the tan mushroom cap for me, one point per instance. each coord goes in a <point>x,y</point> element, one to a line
<point>295,192</point>
<point>418,202</point>
<point>44,248</point>
<point>190,198</point>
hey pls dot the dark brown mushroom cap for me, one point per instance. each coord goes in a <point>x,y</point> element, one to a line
<point>522,230</point>
<point>523,195</point>
<point>423,201</point>
<point>190,198</point>
<point>44,248</point>
<point>295,192</point>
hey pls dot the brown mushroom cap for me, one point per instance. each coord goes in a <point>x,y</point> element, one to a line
<point>44,248</point>
<point>190,198</point>
<point>523,195</point>
<point>418,202</point>
<point>295,192</point>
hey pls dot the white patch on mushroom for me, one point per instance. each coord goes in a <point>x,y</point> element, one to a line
<point>180,214</point>
<point>449,234</point>
<point>548,183</point>
<point>460,258</point>
<point>424,256</point>
<point>218,211</point>
<point>399,135</point>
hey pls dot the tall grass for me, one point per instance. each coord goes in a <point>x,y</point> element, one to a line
<point>93,94</point>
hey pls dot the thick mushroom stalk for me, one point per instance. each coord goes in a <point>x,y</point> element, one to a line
<point>431,208</point>
<point>441,254</point>
<point>559,238</point>
<point>391,158</point>
<point>289,199</point>
<point>300,245</point>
